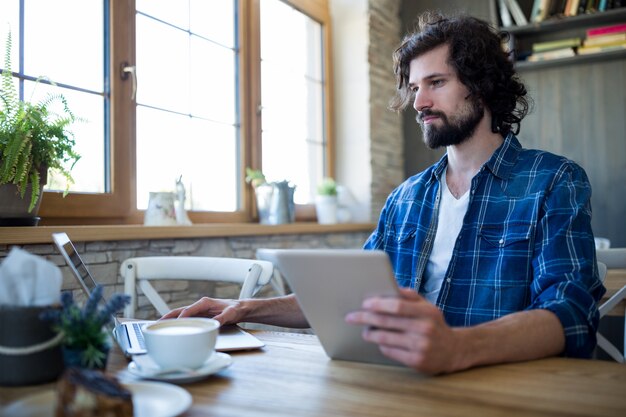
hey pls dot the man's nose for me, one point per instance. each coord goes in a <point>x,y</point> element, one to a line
<point>421,101</point>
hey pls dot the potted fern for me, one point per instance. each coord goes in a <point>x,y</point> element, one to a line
<point>34,137</point>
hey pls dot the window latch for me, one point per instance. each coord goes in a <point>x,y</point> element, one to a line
<point>125,70</point>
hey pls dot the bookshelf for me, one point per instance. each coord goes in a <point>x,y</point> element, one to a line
<point>523,37</point>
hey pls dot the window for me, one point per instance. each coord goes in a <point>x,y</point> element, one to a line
<point>40,53</point>
<point>206,105</point>
<point>187,103</point>
<point>292,97</point>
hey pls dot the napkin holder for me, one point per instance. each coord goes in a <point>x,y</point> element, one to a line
<point>30,352</point>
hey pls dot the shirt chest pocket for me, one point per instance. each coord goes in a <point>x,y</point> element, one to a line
<point>399,236</point>
<point>511,238</point>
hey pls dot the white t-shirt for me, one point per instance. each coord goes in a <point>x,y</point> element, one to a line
<point>449,223</point>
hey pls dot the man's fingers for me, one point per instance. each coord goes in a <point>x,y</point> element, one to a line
<point>399,306</point>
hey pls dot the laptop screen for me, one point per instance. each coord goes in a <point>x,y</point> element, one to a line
<point>77,266</point>
<point>74,261</point>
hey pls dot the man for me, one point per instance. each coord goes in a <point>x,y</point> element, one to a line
<point>492,244</point>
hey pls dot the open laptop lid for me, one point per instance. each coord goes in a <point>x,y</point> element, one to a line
<point>74,261</point>
<point>76,265</point>
<point>330,283</point>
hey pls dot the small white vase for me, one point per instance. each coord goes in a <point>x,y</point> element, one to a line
<point>326,209</point>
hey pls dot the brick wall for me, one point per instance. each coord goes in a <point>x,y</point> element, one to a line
<point>387,140</point>
<point>104,259</point>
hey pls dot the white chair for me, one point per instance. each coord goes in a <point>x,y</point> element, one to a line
<point>278,279</point>
<point>252,274</point>
<point>611,258</point>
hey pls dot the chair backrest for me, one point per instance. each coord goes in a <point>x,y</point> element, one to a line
<point>252,274</point>
<point>613,258</point>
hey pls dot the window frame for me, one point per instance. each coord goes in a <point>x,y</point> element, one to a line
<point>119,206</point>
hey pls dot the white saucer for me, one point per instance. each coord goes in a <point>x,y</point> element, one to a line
<point>150,399</point>
<point>144,367</point>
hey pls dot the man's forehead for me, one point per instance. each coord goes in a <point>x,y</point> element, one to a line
<point>430,64</point>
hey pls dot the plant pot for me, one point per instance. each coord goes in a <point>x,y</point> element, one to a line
<point>326,209</point>
<point>14,208</point>
<point>29,353</point>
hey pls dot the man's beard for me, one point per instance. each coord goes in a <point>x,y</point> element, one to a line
<point>454,131</point>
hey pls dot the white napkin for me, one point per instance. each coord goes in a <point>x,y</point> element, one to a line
<point>29,280</point>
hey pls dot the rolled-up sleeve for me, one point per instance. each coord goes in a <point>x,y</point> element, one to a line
<point>566,278</point>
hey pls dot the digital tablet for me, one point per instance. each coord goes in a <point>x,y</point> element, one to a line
<point>330,283</point>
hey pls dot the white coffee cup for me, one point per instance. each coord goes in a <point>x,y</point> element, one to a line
<point>181,343</point>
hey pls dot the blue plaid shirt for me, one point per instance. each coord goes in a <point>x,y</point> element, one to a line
<point>526,242</point>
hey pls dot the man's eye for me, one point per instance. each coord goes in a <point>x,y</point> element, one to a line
<point>437,83</point>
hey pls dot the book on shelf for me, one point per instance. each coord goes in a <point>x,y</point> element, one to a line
<point>604,39</point>
<point>556,44</point>
<point>592,6</point>
<point>557,8</point>
<point>540,11</point>
<point>572,8</point>
<point>606,30</point>
<point>553,54</point>
<point>586,50</point>
<point>516,11</point>
<point>505,15</point>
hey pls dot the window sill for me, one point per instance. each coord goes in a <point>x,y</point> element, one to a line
<point>42,234</point>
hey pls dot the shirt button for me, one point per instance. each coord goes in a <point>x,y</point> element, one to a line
<point>501,241</point>
<point>448,280</point>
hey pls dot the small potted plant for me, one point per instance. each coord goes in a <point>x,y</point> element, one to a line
<point>326,201</point>
<point>34,137</point>
<point>86,337</point>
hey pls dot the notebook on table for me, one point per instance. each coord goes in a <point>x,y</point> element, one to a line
<point>128,333</point>
<point>330,283</point>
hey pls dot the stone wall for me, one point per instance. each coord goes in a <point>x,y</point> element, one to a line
<point>386,135</point>
<point>104,259</point>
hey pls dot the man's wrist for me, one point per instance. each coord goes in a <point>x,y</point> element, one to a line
<point>463,350</point>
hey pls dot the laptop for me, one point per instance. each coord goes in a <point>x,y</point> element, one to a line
<point>328,284</point>
<point>128,333</point>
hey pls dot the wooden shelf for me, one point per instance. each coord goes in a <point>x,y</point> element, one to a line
<point>578,59</point>
<point>558,24</point>
<point>42,234</point>
<point>523,37</point>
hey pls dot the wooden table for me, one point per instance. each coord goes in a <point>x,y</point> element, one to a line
<point>292,376</point>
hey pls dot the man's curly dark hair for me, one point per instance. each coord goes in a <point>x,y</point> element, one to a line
<point>479,59</point>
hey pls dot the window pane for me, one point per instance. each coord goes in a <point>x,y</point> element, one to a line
<point>162,65</point>
<point>213,19</point>
<point>54,53</point>
<point>9,21</point>
<point>173,12</point>
<point>187,122</point>
<point>88,173</point>
<point>296,129</point>
<point>202,152</point>
<point>212,95</point>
